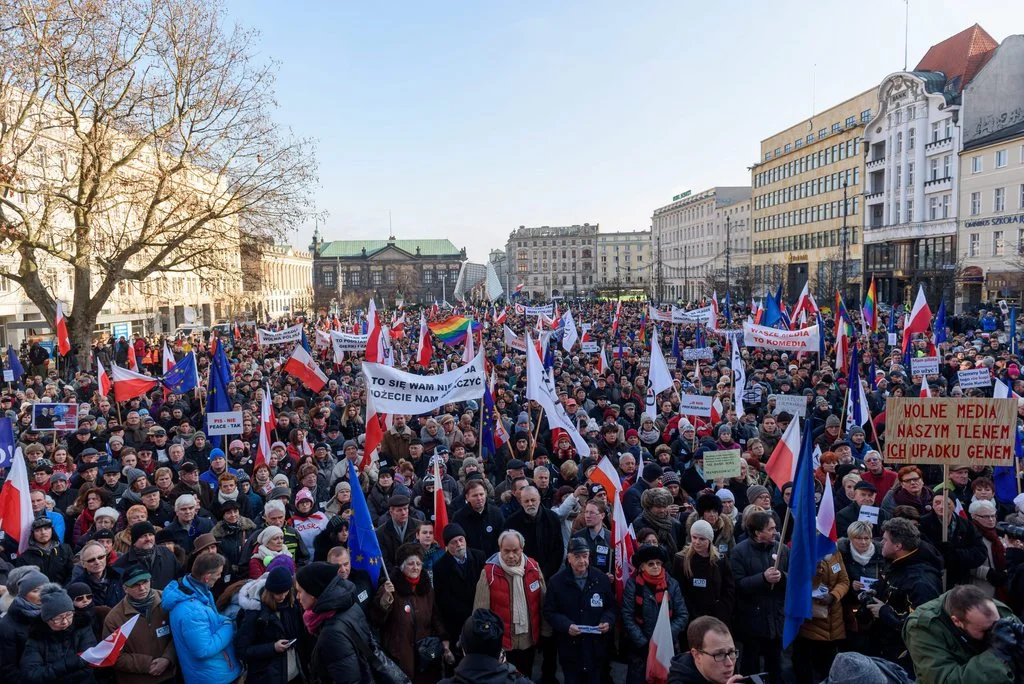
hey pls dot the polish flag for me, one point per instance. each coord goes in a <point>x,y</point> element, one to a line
<point>398,326</point>
<point>826,523</point>
<point>238,333</point>
<point>500,318</point>
<point>717,411</point>
<point>469,352</point>
<point>606,476</point>
<point>625,543</point>
<point>133,363</point>
<point>129,384</point>
<point>661,650</point>
<point>713,323</point>
<point>440,507</point>
<point>425,349</point>
<point>102,379</point>
<point>557,318</point>
<point>921,316</point>
<point>519,287</point>
<point>925,391</point>
<point>16,504</point>
<point>267,422</point>
<point>781,467</point>
<point>168,364</point>
<point>105,653</point>
<point>302,366</point>
<point>615,321</point>
<point>602,362</point>
<point>63,340</point>
<point>376,425</point>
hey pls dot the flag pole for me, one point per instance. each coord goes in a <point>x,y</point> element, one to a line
<point>536,434</point>
<point>480,432</point>
<point>782,538</point>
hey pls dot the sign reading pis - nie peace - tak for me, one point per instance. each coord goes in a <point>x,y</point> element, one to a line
<point>950,430</point>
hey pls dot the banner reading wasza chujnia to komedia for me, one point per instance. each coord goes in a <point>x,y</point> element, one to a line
<point>950,430</point>
<point>390,390</point>
<point>804,339</point>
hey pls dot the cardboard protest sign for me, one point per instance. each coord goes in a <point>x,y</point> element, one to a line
<point>721,464</point>
<point>950,431</point>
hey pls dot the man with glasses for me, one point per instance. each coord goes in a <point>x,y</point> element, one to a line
<point>148,654</point>
<point>711,658</point>
<point>94,573</point>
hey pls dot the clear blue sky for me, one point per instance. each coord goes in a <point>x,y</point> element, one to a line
<point>469,119</point>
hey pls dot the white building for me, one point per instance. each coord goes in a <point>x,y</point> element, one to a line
<point>624,261</point>
<point>553,261</point>
<point>689,240</point>
<point>912,170</point>
<point>277,280</point>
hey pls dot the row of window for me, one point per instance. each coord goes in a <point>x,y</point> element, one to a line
<point>998,200</point>
<point>925,254</point>
<point>626,258</point>
<point>818,240</point>
<point>1001,159</point>
<point>809,188</point>
<point>555,243</point>
<point>798,217</point>
<point>808,162</point>
<point>998,245</point>
<point>851,121</point>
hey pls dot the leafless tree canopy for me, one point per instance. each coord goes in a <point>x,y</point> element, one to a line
<point>136,137</point>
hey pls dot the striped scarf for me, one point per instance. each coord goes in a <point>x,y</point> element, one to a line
<point>658,585</point>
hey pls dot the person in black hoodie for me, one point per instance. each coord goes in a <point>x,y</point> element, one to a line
<point>481,645</point>
<point>15,624</point>
<point>54,641</point>
<point>270,619</point>
<point>342,651</point>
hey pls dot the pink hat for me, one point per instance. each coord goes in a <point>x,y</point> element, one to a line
<point>236,444</point>
<point>304,493</point>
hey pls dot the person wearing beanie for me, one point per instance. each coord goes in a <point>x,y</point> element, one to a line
<point>158,560</point>
<point>650,477</point>
<point>333,618</point>
<point>455,577</point>
<point>55,560</point>
<point>24,584</point>
<point>270,619</point>
<point>52,648</point>
<point>709,508</point>
<point>404,611</point>
<point>269,545</point>
<point>309,520</point>
<point>148,654</point>
<point>480,640</point>
<point>703,571</point>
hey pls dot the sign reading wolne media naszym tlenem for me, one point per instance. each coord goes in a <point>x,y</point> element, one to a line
<point>950,430</point>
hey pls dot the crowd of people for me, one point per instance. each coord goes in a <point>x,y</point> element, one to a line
<point>239,566</point>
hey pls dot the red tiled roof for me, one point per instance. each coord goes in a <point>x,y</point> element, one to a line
<point>962,55</point>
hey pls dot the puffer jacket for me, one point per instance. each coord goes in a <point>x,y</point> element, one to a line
<point>260,628</point>
<point>827,621</point>
<point>640,636</point>
<point>759,607</point>
<point>340,655</point>
<point>942,654</point>
<point>202,636</point>
<point>53,656</point>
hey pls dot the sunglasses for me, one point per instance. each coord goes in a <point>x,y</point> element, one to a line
<point>84,597</point>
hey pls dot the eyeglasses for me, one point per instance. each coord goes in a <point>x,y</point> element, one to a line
<point>985,516</point>
<point>910,479</point>
<point>723,656</point>
<point>62,619</point>
<point>96,559</point>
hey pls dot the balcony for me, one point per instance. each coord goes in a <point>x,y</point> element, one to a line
<point>939,185</point>
<point>910,231</point>
<point>939,146</point>
<point>876,163</point>
<point>875,197</point>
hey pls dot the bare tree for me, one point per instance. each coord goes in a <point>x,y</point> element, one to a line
<point>136,139</point>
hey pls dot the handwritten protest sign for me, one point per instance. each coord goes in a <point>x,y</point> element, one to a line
<point>924,365</point>
<point>950,431</point>
<point>721,464</point>
<point>794,404</point>
<point>975,377</point>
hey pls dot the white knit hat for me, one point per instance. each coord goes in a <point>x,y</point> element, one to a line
<point>702,528</point>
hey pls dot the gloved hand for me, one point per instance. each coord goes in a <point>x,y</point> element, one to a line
<point>1003,640</point>
<point>997,578</point>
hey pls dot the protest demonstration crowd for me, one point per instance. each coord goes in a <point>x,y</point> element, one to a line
<point>584,492</point>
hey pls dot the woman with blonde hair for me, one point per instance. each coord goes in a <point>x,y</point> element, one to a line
<point>704,576</point>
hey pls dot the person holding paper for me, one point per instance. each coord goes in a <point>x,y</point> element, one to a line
<point>862,558</point>
<point>817,643</point>
<point>864,495</point>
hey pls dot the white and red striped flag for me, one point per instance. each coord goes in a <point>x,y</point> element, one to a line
<point>425,348</point>
<point>129,384</point>
<point>781,466</point>
<point>105,653</point>
<point>440,507</point>
<point>921,316</point>
<point>376,425</point>
<point>925,390</point>
<point>625,543</point>
<point>102,379</point>
<point>267,422</point>
<point>63,340</point>
<point>661,650</point>
<point>133,362</point>
<point>305,368</point>
<point>16,504</point>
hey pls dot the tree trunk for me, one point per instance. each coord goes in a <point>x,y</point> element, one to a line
<point>80,327</point>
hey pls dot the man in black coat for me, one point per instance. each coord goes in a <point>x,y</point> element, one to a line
<point>158,560</point>
<point>398,529</point>
<point>542,530</point>
<point>580,596</point>
<point>455,577</point>
<point>963,551</point>
<point>480,640</point>
<point>864,494</point>
<point>631,499</point>
<point>481,520</point>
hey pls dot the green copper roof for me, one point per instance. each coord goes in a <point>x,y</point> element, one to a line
<point>352,248</point>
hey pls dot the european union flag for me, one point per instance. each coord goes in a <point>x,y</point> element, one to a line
<point>13,364</point>
<point>940,323</point>
<point>305,341</point>
<point>363,546</point>
<point>728,309</point>
<point>220,376</point>
<point>7,443</point>
<point>183,377</point>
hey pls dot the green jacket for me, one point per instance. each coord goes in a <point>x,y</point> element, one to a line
<point>940,653</point>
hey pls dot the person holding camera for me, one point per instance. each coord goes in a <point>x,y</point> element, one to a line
<point>964,636</point>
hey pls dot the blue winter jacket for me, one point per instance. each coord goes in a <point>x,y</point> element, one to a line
<point>203,638</point>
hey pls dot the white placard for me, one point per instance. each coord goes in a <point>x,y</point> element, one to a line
<point>752,395</point>
<point>390,390</point>
<point>794,404</point>
<point>804,339</point>
<point>975,377</point>
<point>224,423</point>
<point>892,339</point>
<point>267,337</point>
<point>699,353</point>
<point>8,375</point>
<point>868,514</point>
<point>695,405</point>
<point>924,365</point>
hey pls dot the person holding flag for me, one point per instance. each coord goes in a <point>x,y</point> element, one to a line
<point>147,652</point>
<point>52,649</point>
<point>642,604</point>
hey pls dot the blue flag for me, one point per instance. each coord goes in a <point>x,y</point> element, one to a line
<point>218,400</point>
<point>772,313</point>
<point>487,422</point>
<point>362,538</point>
<point>183,377</point>
<point>808,546</point>
<point>305,340</point>
<point>675,347</point>
<point>728,309</point>
<point>940,323</point>
<point>7,443</point>
<point>1013,330</point>
<point>13,364</point>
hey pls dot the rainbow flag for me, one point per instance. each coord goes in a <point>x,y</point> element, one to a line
<point>842,317</point>
<point>452,330</point>
<point>643,326</point>
<point>870,310</point>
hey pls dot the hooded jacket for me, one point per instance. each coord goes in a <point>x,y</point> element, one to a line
<point>53,656</point>
<point>341,650</point>
<point>259,629</point>
<point>202,636</point>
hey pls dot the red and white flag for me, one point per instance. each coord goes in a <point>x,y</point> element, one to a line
<point>305,368</point>
<point>102,379</point>
<point>925,390</point>
<point>958,508</point>
<point>238,333</point>
<point>625,543</point>
<point>469,353</point>
<point>63,340</point>
<point>615,321</point>
<point>606,476</point>
<point>16,504</point>
<point>499,319</point>
<point>440,507</point>
<point>425,349</point>
<point>717,411</point>
<point>602,362</point>
<point>398,326</point>
<point>267,421</point>
<point>661,650</point>
<point>129,384</point>
<point>168,364</point>
<point>105,653</point>
<point>133,362</point>
<point>376,425</point>
<point>781,466</point>
<point>826,522</point>
<point>921,316</point>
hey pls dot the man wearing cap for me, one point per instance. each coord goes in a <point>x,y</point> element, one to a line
<point>455,577</point>
<point>580,595</point>
<point>864,494</point>
<point>148,655</point>
<point>158,511</point>
<point>189,483</point>
<point>54,559</point>
<point>187,524</point>
<point>158,561</point>
<point>399,528</point>
<point>157,443</point>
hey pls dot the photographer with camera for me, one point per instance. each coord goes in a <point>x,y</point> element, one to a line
<point>964,636</point>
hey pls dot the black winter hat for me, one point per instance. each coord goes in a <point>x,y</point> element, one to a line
<point>708,502</point>
<point>315,577</point>
<point>482,634</point>
<point>141,528</point>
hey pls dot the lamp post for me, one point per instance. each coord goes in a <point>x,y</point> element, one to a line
<point>846,241</point>
<point>728,251</point>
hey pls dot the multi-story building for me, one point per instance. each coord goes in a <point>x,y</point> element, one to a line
<point>349,272</point>
<point>277,280</point>
<point>624,262</point>
<point>912,170</point>
<point>552,261</point>
<point>990,239</point>
<point>499,260</point>
<point>689,239</point>
<point>806,207</point>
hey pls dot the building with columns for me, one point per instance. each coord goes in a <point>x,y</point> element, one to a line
<point>912,170</point>
<point>277,280</point>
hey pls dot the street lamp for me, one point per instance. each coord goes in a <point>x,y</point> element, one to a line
<point>846,240</point>
<point>728,251</point>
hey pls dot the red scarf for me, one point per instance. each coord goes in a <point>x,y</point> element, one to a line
<point>657,584</point>
<point>313,621</point>
<point>413,581</point>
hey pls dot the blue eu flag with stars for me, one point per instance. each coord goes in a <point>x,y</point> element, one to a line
<point>183,377</point>
<point>220,376</point>
<point>363,546</point>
